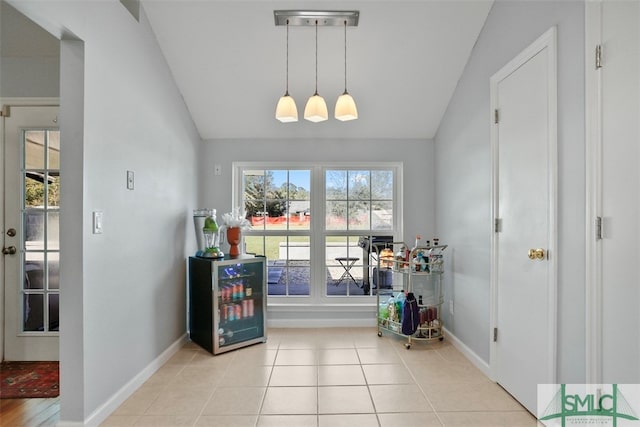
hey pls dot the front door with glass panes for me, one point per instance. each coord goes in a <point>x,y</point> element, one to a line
<point>32,209</point>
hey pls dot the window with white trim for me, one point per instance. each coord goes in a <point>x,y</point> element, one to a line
<point>314,223</point>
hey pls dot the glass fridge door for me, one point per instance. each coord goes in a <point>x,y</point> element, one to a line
<point>240,303</point>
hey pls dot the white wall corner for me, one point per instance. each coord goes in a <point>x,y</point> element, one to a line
<point>593,154</point>
<point>468,353</point>
<point>101,414</point>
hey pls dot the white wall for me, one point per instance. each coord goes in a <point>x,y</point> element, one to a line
<point>416,156</point>
<point>29,58</point>
<point>129,303</point>
<point>463,170</point>
<point>72,336</point>
<point>29,77</point>
<point>619,196</point>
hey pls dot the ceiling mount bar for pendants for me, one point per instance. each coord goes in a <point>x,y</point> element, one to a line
<point>324,18</point>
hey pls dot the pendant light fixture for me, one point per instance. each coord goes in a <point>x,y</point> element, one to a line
<point>316,109</point>
<point>286,110</point>
<point>345,105</point>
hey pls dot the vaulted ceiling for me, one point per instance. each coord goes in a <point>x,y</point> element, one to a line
<point>228,60</point>
<point>404,61</point>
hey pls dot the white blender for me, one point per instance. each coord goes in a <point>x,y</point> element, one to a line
<point>207,233</point>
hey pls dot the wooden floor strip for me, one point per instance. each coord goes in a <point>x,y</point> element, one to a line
<point>29,412</point>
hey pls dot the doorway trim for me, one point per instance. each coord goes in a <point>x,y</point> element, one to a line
<point>545,41</point>
<point>593,196</point>
<point>12,101</point>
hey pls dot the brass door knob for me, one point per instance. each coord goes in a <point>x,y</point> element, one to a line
<point>536,254</point>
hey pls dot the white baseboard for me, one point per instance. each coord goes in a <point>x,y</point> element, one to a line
<point>101,414</point>
<point>468,353</point>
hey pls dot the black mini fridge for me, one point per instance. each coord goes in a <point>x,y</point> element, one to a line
<point>227,302</point>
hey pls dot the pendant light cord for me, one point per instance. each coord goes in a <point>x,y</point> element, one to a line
<point>316,57</point>
<point>345,56</point>
<point>287,72</point>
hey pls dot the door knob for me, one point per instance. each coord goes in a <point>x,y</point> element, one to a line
<point>536,253</point>
<point>11,250</point>
<point>11,232</point>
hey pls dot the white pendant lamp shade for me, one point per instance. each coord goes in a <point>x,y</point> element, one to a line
<point>286,111</point>
<point>316,109</point>
<point>346,108</point>
<point>345,105</point>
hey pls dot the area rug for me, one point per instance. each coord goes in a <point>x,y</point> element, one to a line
<point>29,379</point>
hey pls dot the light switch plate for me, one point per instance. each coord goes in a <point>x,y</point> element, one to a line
<point>97,222</point>
<point>217,169</point>
<point>129,180</point>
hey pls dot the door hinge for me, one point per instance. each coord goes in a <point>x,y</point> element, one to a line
<point>496,116</point>
<point>6,111</point>
<point>598,228</point>
<point>598,56</point>
<point>495,334</point>
<point>497,225</point>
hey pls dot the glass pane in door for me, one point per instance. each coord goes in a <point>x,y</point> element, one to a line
<point>34,142</point>
<point>54,315</point>
<point>33,310</point>
<point>41,219</point>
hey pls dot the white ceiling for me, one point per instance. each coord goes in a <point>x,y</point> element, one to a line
<point>404,61</point>
<point>228,60</point>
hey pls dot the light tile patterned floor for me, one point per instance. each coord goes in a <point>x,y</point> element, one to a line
<point>322,377</point>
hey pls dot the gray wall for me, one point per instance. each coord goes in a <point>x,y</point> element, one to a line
<point>29,77</point>
<point>29,57</point>
<point>463,171</point>
<point>416,156</point>
<point>123,292</point>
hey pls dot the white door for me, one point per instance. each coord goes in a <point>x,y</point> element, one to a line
<point>523,93</point>
<point>31,233</point>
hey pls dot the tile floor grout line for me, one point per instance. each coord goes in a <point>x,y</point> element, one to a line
<point>215,387</point>
<point>366,381</point>
<point>268,385</point>
<point>415,380</point>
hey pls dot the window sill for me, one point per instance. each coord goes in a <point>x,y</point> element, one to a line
<point>321,307</point>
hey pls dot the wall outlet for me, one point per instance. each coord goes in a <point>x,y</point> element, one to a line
<point>217,169</point>
<point>451,306</point>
